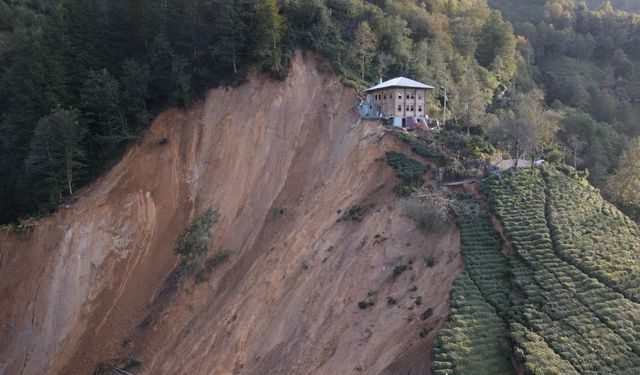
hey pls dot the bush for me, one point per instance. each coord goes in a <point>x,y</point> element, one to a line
<point>410,172</point>
<point>398,270</point>
<point>430,261</point>
<point>391,301</point>
<point>195,241</point>
<point>429,217</point>
<point>355,213</point>
<point>554,156</point>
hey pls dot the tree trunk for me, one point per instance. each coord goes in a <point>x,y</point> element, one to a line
<point>515,166</point>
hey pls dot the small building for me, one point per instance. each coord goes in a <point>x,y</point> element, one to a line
<point>401,99</point>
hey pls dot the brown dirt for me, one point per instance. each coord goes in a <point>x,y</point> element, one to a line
<point>286,301</point>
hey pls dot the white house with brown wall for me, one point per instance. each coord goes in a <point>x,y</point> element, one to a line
<point>399,98</point>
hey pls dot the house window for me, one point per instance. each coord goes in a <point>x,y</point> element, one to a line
<point>411,108</point>
<point>412,96</point>
<point>420,109</point>
<point>399,107</point>
<point>399,96</point>
<point>385,96</point>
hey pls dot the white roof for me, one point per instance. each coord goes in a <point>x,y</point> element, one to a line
<point>400,82</point>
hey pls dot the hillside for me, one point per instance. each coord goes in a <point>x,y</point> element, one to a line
<point>562,294</point>
<point>282,162</point>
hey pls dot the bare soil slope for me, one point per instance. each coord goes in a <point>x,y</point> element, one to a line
<point>278,160</point>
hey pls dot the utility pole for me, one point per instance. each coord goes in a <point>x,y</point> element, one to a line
<point>444,118</point>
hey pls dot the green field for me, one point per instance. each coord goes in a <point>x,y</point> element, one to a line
<point>568,296</point>
<point>475,339</point>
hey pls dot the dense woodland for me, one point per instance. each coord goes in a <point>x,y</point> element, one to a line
<point>81,79</point>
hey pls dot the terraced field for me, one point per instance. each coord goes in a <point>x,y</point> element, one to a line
<point>475,339</point>
<point>569,315</point>
<point>565,302</point>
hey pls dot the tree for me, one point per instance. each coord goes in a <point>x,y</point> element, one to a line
<point>497,47</point>
<point>231,26</point>
<point>366,44</point>
<point>135,90</point>
<point>100,103</point>
<point>622,66</point>
<point>624,184</point>
<point>169,83</point>
<point>470,103</point>
<point>268,30</point>
<point>528,126</point>
<point>56,160</point>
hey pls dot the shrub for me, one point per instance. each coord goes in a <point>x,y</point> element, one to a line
<point>398,270</point>
<point>363,305</point>
<point>424,331</point>
<point>428,214</point>
<point>430,261</point>
<point>355,213</point>
<point>210,264</point>
<point>554,156</point>
<point>391,301</point>
<point>479,147</point>
<point>409,171</point>
<point>195,241</point>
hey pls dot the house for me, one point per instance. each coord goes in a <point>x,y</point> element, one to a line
<point>401,99</point>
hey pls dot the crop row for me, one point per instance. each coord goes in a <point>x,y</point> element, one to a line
<point>475,339</point>
<point>593,234</point>
<point>578,318</point>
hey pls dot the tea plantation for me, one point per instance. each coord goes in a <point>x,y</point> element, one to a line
<point>565,302</point>
<point>475,339</point>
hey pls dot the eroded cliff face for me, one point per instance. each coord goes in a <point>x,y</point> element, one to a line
<point>278,160</point>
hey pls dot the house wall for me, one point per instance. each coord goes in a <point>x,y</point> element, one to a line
<point>400,102</point>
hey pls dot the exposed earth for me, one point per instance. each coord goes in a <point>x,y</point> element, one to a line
<point>282,161</point>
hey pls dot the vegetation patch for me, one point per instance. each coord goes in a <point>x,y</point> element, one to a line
<point>574,274</point>
<point>193,245</point>
<point>354,213</point>
<point>475,339</point>
<point>398,270</point>
<point>364,304</point>
<point>409,171</point>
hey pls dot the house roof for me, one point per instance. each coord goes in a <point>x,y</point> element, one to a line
<point>400,82</point>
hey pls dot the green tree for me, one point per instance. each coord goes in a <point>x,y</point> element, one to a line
<point>101,109</point>
<point>366,44</point>
<point>231,26</point>
<point>497,47</point>
<point>624,184</point>
<point>56,161</point>
<point>135,90</point>
<point>528,126</point>
<point>268,30</point>
<point>470,103</point>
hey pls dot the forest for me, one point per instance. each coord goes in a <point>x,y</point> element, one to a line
<point>80,80</point>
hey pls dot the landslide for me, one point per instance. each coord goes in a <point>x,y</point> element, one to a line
<point>281,161</point>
